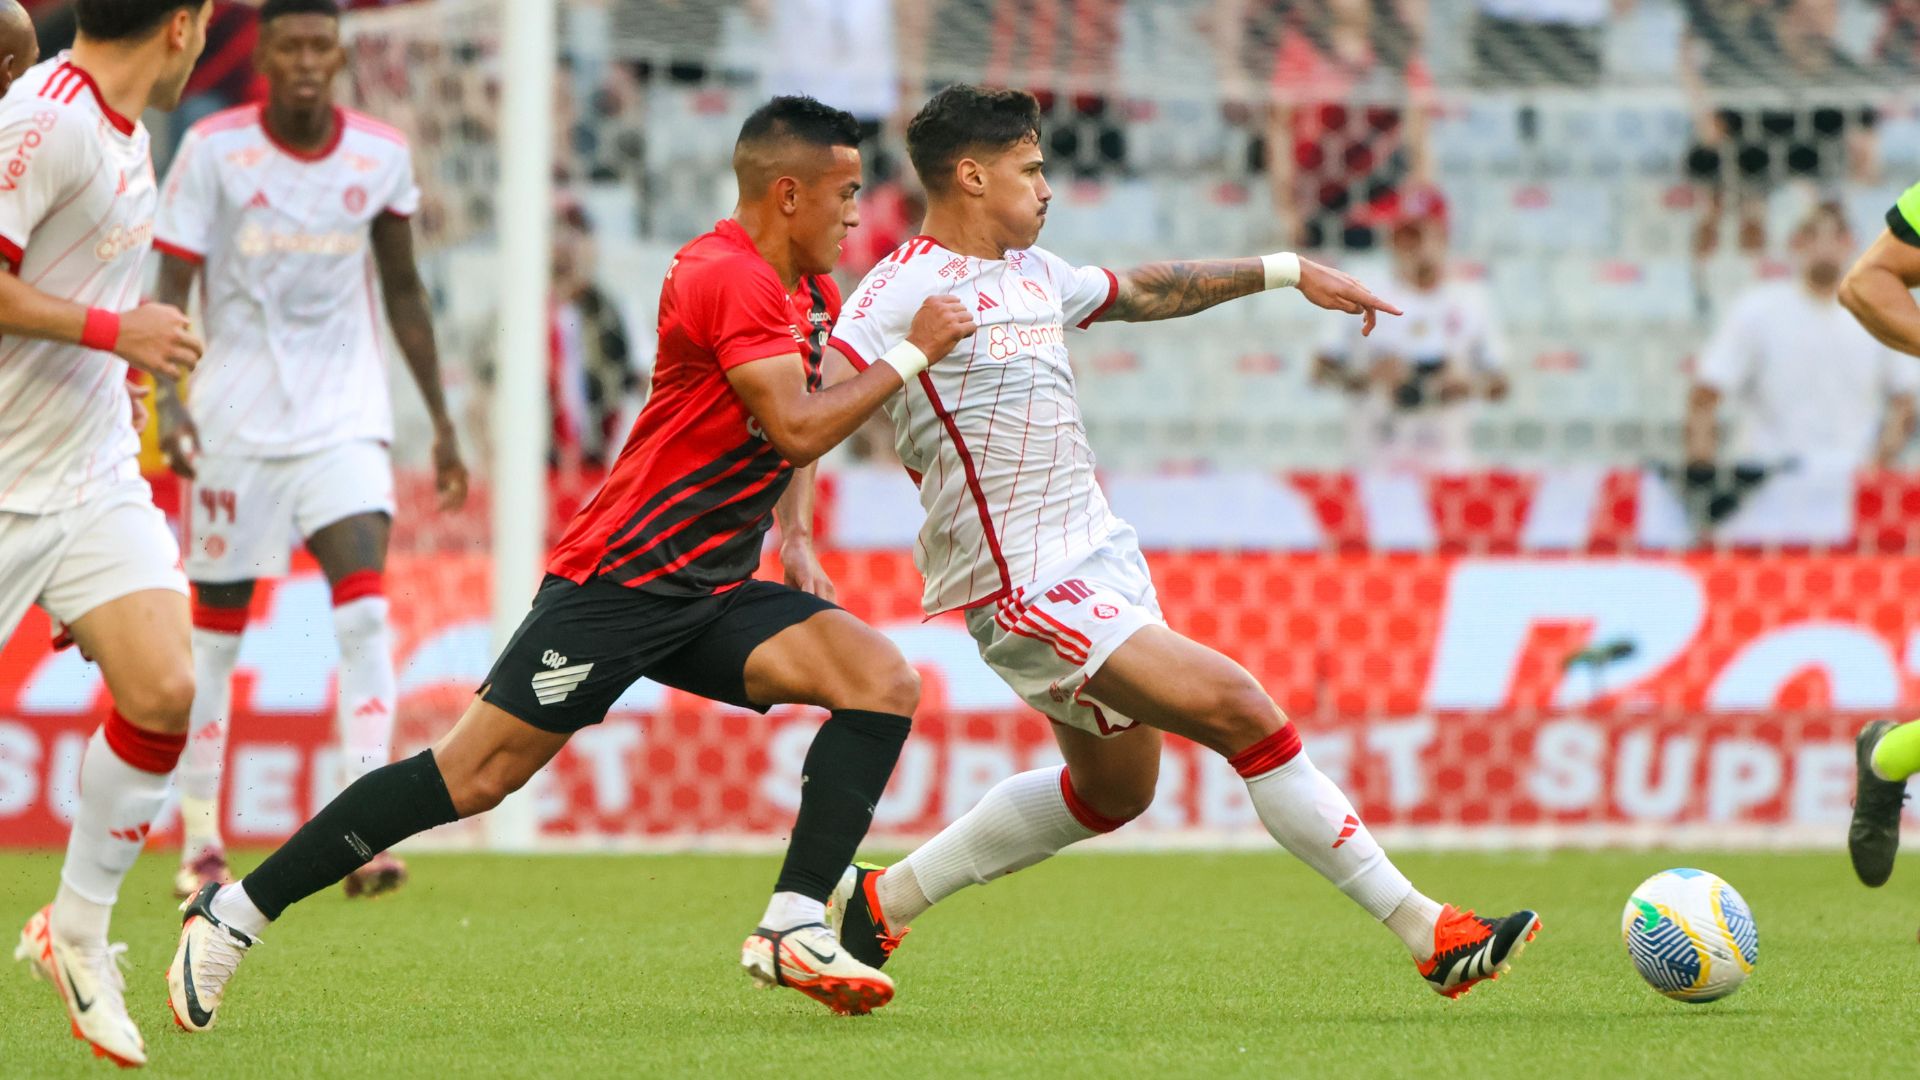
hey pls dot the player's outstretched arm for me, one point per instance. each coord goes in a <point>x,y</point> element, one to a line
<point>407,309</point>
<point>802,425</point>
<point>1879,292</point>
<point>1168,290</point>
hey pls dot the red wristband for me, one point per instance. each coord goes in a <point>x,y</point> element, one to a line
<point>102,330</point>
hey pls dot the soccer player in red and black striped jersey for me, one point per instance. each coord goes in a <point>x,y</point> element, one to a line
<point>654,578</point>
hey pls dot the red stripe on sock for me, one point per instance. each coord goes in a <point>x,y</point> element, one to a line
<point>148,751</point>
<point>359,585</point>
<point>1082,813</point>
<point>1268,754</point>
<point>220,620</point>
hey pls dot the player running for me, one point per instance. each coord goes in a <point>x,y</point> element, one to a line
<point>79,535</point>
<point>280,206</point>
<point>1879,292</point>
<point>653,578</point>
<point>1053,586</point>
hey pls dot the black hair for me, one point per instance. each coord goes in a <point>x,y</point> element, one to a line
<point>273,9</point>
<point>962,120</point>
<point>802,118</point>
<point>120,20</point>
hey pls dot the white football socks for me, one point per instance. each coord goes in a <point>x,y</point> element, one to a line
<point>1022,820</point>
<point>215,654</point>
<point>364,712</point>
<point>790,909</point>
<point>118,802</point>
<point>1311,817</point>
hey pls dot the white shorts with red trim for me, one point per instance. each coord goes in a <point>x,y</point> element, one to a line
<point>73,561</point>
<point>1048,638</point>
<point>244,514</point>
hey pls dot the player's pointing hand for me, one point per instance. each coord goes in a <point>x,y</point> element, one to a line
<point>157,338</point>
<point>1326,287</point>
<point>941,323</point>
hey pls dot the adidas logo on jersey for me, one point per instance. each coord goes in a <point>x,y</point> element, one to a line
<point>552,687</point>
<point>986,303</point>
<point>258,202</point>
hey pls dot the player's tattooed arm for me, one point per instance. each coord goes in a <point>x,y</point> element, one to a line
<point>179,439</point>
<point>407,309</point>
<point>1168,290</point>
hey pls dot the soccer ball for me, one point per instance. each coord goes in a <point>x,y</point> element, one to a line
<point>1690,935</point>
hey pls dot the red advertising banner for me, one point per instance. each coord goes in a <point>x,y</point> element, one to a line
<point>1471,698</point>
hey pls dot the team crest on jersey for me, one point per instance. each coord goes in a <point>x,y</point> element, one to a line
<point>214,546</point>
<point>356,199</point>
<point>1038,290</point>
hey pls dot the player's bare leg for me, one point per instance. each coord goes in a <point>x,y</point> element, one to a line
<point>1024,819</point>
<point>1178,685</point>
<point>487,756</point>
<point>352,552</point>
<point>140,641</point>
<point>219,623</point>
<point>839,663</point>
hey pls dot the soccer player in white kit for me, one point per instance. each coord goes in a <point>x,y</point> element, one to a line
<point>79,535</point>
<point>1053,586</point>
<point>287,211</point>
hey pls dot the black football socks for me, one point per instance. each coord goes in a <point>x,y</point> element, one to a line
<point>376,812</point>
<point>847,768</point>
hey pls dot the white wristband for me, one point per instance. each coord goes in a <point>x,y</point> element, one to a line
<point>907,359</point>
<point>1283,269</point>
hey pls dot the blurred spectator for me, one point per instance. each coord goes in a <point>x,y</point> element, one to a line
<point>1808,386</point>
<point>596,385</point>
<point>683,36</point>
<point>1824,132</point>
<point>863,56</point>
<point>1541,42</point>
<point>1346,112</point>
<point>1897,43</point>
<point>1414,379</point>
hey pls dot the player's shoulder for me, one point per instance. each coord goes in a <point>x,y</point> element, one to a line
<point>241,121</point>
<point>53,99</point>
<point>373,132</point>
<point>720,261</point>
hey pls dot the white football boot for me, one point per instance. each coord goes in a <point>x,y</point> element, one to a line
<point>90,985</point>
<point>811,960</point>
<point>209,953</point>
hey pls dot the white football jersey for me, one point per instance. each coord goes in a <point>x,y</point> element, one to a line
<point>992,433</point>
<point>295,354</point>
<point>76,220</point>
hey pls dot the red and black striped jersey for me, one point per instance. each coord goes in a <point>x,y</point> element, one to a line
<point>687,504</point>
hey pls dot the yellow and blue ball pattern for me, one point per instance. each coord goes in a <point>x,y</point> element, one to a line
<point>1690,935</point>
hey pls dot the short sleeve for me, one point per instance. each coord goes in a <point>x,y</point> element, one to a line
<point>742,315</point>
<point>403,197</point>
<point>1727,360</point>
<point>188,202</point>
<point>47,154</point>
<point>1086,292</point>
<point>878,316</point>
<point>1903,219</point>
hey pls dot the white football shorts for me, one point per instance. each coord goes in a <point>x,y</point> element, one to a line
<point>72,561</point>
<point>1048,638</point>
<point>245,514</point>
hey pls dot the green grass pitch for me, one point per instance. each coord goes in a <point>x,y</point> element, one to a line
<point>1093,965</point>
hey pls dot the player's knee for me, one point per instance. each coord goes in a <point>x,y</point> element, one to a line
<point>480,792</point>
<point>1241,713</point>
<point>889,686</point>
<point>159,703</point>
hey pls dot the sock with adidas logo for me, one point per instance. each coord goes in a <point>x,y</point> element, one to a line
<point>1312,818</point>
